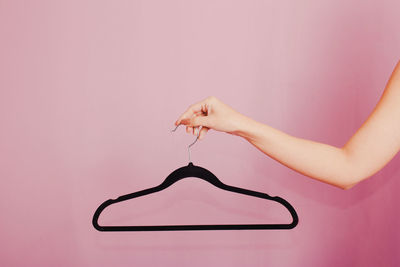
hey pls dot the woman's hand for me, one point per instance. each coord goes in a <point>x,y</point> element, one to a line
<point>211,113</point>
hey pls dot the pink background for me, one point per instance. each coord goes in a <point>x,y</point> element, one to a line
<point>89,91</point>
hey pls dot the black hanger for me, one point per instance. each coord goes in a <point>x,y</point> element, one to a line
<point>194,171</point>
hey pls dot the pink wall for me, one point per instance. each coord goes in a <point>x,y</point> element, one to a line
<point>89,91</point>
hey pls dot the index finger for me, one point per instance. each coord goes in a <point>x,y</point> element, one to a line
<point>191,110</point>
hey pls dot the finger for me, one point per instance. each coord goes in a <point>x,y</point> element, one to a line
<point>197,121</point>
<point>194,109</point>
<point>200,121</point>
<point>189,129</point>
<point>203,132</point>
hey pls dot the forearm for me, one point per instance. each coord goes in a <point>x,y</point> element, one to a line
<point>319,161</point>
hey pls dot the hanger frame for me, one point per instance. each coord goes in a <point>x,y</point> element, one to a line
<point>195,171</point>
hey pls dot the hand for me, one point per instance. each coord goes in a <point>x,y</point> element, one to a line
<point>211,113</point>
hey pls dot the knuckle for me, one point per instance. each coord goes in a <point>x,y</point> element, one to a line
<point>212,98</point>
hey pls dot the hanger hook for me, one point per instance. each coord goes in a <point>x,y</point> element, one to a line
<point>198,134</point>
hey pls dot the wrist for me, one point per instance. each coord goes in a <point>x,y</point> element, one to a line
<point>247,127</point>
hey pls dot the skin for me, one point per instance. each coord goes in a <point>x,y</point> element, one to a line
<point>371,147</point>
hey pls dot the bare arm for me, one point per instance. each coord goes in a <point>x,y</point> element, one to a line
<point>374,144</point>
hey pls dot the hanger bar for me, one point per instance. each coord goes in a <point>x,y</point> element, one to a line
<point>195,227</point>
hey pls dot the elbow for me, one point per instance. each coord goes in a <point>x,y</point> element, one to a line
<point>349,182</point>
<point>350,174</point>
<point>346,186</point>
